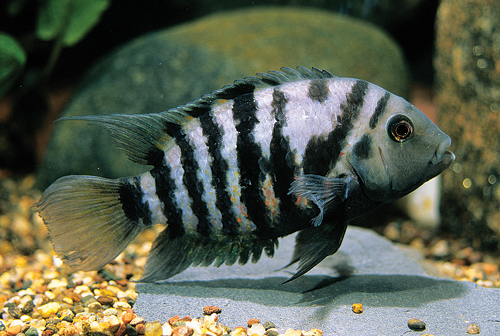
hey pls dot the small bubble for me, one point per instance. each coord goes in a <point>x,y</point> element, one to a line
<point>492,179</point>
<point>467,183</point>
<point>487,191</point>
<point>481,63</point>
<point>457,167</point>
<point>478,50</point>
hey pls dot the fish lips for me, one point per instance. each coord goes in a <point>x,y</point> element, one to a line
<point>439,163</point>
<point>441,160</point>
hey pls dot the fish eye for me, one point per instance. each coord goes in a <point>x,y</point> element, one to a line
<point>400,128</point>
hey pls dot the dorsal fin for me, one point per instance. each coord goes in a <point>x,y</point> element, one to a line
<point>143,136</point>
<point>140,136</point>
<point>250,84</point>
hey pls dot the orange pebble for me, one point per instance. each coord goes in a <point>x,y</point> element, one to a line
<point>252,321</point>
<point>128,316</point>
<point>14,330</point>
<point>172,320</point>
<point>357,308</point>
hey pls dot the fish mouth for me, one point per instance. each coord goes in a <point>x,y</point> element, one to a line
<point>443,156</point>
<point>441,160</point>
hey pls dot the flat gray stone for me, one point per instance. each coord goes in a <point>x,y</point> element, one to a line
<point>368,269</point>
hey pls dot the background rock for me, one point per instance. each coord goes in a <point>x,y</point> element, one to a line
<point>468,73</point>
<point>381,12</point>
<point>168,68</point>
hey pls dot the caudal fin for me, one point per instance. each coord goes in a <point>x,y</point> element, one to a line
<point>86,221</point>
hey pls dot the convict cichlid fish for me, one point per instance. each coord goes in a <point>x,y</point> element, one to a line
<point>272,154</point>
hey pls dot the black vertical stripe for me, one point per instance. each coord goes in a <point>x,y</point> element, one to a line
<point>190,179</point>
<point>219,168</point>
<point>381,104</point>
<point>132,203</point>
<point>363,147</point>
<point>249,154</point>
<point>318,90</point>
<point>283,168</point>
<point>322,153</point>
<point>165,190</point>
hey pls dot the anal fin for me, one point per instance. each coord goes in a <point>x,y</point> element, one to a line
<point>314,244</point>
<point>173,252</point>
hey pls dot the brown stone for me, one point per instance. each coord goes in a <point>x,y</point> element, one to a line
<point>209,310</point>
<point>416,324</point>
<point>141,330</point>
<point>467,67</point>
<point>48,332</point>
<point>121,330</point>
<point>105,300</point>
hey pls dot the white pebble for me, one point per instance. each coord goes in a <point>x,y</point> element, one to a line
<point>49,295</point>
<point>167,329</point>
<point>81,289</point>
<point>26,292</point>
<point>95,327</point>
<point>38,300</point>
<point>110,312</point>
<point>56,283</point>
<point>121,305</point>
<point>16,323</point>
<point>56,261</point>
<point>256,328</point>
<point>195,325</point>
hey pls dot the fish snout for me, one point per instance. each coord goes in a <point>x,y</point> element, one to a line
<point>442,155</point>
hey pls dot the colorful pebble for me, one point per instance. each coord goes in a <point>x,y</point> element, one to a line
<point>416,324</point>
<point>473,329</point>
<point>357,308</point>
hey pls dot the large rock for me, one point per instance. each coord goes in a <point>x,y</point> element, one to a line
<point>383,13</point>
<point>468,73</point>
<point>169,68</point>
<point>368,269</point>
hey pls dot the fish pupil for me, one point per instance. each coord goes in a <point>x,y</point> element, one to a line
<point>400,128</point>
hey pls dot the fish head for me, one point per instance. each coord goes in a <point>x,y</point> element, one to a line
<point>404,150</point>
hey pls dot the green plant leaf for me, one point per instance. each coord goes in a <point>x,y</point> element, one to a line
<point>68,19</point>
<point>12,61</point>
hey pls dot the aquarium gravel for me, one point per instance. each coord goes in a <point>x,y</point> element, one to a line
<point>39,295</point>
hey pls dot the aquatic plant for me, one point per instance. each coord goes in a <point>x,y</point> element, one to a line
<point>63,22</point>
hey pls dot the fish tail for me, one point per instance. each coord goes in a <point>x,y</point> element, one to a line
<point>88,219</point>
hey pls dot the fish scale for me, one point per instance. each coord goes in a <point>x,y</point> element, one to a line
<point>280,152</point>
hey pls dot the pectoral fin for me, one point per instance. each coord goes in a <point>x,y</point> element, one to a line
<point>325,192</point>
<point>314,244</point>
